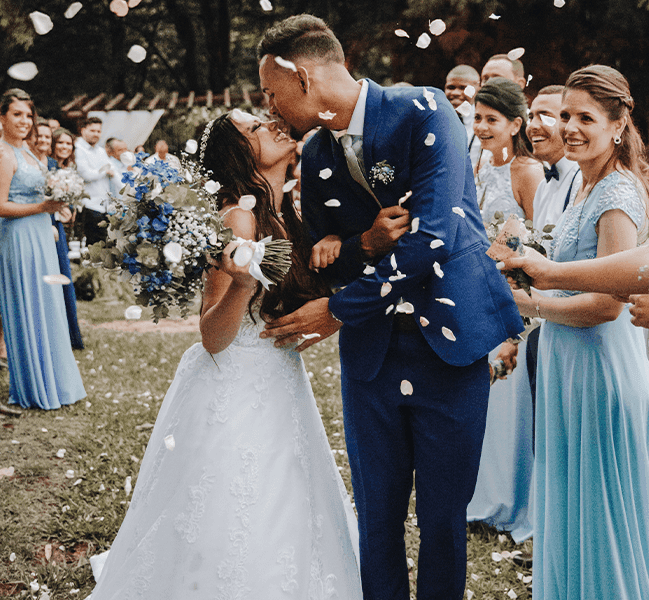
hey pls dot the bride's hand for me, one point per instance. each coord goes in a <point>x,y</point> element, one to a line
<point>240,275</point>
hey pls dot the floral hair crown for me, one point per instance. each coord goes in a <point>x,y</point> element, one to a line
<point>204,138</point>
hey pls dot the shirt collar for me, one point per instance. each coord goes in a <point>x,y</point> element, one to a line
<point>357,121</point>
<point>565,166</point>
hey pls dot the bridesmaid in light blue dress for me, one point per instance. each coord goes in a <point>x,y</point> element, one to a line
<point>591,528</point>
<point>42,368</point>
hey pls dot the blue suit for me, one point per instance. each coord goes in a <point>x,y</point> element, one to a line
<point>438,429</point>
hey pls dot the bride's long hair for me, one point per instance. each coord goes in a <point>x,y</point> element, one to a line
<point>230,157</point>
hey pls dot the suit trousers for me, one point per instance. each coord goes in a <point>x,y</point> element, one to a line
<point>437,431</point>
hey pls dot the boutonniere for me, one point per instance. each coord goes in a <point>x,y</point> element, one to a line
<point>382,172</point>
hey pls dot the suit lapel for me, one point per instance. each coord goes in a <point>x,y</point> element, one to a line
<point>370,125</point>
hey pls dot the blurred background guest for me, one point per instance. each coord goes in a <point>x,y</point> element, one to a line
<point>40,143</point>
<point>162,153</point>
<point>115,148</point>
<point>42,369</point>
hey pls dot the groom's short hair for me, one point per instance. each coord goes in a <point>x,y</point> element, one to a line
<point>301,36</point>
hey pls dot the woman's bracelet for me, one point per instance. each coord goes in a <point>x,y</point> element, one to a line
<point>538,308</point>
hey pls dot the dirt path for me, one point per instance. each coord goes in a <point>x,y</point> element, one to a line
<point>190,324</point>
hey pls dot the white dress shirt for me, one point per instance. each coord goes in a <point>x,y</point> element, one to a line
<point>93,165</point>
<point>170,159</point>
<point>551,195</point>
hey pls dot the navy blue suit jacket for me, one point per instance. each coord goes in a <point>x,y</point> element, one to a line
<point>397,128</point>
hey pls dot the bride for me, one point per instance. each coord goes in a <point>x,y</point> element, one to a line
<point>239,496</point>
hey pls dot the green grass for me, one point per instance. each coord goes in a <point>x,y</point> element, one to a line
<point>126,375</point>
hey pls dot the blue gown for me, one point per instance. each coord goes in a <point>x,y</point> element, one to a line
<point>42,369</point>
<point>591,530</point>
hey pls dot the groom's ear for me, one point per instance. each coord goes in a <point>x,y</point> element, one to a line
<point>303,78</point>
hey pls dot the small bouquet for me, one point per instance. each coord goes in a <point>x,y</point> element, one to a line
<point>67,186</point>
<point>162,228</point>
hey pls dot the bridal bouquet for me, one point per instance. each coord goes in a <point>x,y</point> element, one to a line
<point>162,228</point>
<point>65,185</point>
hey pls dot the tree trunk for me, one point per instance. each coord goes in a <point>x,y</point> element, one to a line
<point>217,42</point>
<point>187,38</point>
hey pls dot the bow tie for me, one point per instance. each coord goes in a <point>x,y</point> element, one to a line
<point>551,172</point>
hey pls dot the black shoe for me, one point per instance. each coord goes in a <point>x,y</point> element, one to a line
<point>8,410</point>
<point>523,560</point>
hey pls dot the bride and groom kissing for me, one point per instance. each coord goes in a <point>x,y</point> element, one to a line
<point>249,503</point>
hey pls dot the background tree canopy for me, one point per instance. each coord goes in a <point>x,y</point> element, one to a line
<point>196,45</point>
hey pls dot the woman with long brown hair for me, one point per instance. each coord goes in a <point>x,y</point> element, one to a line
<point>238,495</point>
<point>591,529</point>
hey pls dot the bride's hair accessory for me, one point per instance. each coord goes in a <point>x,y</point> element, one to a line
<point>204,138</point>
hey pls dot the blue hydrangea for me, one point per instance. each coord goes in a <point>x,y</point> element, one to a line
<point>133,265</point>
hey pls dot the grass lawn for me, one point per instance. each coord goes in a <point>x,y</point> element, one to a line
<point>67,497</point>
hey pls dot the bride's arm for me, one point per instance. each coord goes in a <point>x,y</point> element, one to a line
<point>227,290</point>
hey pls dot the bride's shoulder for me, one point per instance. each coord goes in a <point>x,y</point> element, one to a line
<point>241,221</point>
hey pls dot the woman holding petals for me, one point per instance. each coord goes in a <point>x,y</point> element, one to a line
<point>42,368</point>
<point>591,529</point>
<point>238,495</point>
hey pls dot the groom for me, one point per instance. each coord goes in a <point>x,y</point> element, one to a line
<point>418,315</point>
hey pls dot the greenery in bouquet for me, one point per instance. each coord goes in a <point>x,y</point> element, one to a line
<point>65,185</point>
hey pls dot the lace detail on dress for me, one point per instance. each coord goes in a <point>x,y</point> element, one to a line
<point>186,524</point>
<point>494,189</point>
<point>145,558</point>
<point>620,193</point>
<point>287,558</point>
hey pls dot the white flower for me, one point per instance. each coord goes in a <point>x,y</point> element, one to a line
<point>23,71</point>
<point>212,187</point>
<point>137,53</point>
<point>72,10</point>
<point>60,453</point>
<point>191,146</point>
<point>69,473</point>
<point>42,22</point>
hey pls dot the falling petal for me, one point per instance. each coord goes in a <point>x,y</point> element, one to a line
<point>496,557</point>
<point>424,321</point>
<point>60,453</point>
<point>529,78</point>
<point>287,64</point>
<point>137,53</point>
<point>418,104</point>
<point>247,202</point>
<point>289,185</point>
<point>326,173</point>
<point>173,252</point>
<point>516,53</point>
<point>438,270</point>
<point>401,33</point>
<point>548,121</point>
<point>72,10</point>
<point>333,203</point>
<point>127,159</point>
<point>23,71</point>
<point>464,109</point>
<point>310,336</point>
<point>170,442</point>
<point>445,301</point>
<point>405,197</point>
<point>56,279</point>
<point>369,270</point>
<point>191,146</point>
<point>469,91</point>
<point>559,3</point>
<point>212,187</point>
<point>436,244</point>
<point>423,41</point>
<point>266,5</point>
<point>430,98</point>
<point>406,388</point>
<point>406,308</point>
<point>119,7</point>
<point>500,265</point>
<point>505,154</point>
<point>437,27</point>
<point>414,226</point>
<point>133,3</point>
<point>386,288</point>
<point>132,313</point>
<point>127,486</point>
<point>458,211</point>
<point>396,277</point>
<point>393,262</point>
<point>430,139</point>
<point>42,22</point>
<point>326,116</point>
<point>448,334</point>
<point>388,310</point>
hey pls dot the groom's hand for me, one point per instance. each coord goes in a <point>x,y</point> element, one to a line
<point>309,324</point>
<point>390,224</point>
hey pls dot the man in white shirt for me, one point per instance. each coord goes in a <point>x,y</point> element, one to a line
<point>95,168</point>
<point>115,148</point>
<point>500,65</point>
<point>162,153</point>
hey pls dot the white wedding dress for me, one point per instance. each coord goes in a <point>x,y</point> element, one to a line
<point>238,496</point>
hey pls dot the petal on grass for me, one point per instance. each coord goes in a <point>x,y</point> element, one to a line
<point>496,556</point>
<point>326,116</point>
<point>423,41</point>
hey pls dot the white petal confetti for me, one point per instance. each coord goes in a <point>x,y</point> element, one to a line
<point>445,301</point>
<point>401,33</point>
<point>406,308</point>
<point>430,139</point>
<point>326,116</point>
<point>469,91</point>
<point>505,154</point>
<point>127,486</point>
<point>418,104</point>
<point>496,557</point>
<point>333,203</point>
<point>424,321</point>
<point>512,594</point>
<point>494,16</point>
<point>119,7</point>
<point>529,78</point>
<point>527,579</point>
<point>12,557</point>
<point>559,3</point>
<point>369,270</point>
<point>48,553</point>
<point>173,252</point>
<point>396,277</point>
<point>133,313</point>
<point>56,279</point>
<point>23,71</point>
<point>393,262</point>
<point>389,309</point>
<point>423,41</point>
<point>102,488</point>
<point>326,173</point>
<point>7,472</point>
<point>516,53</point>
<point>310,336</point>
<point>60,453</point>
<point>266,5</point>
<point>405,197</point>
<point>191,146</point>
<point>548,121</point>
<point>289,185</point>
<point>170,442</point>
<point>247,202</point>
<point>406,388</point>
<point>127,159</point>
<point>69,473</point>
<point>212,187</point>
<point>137,53</point>
<point>430,98</point>
<point>437,27</point>
<point>386,288</point>
<point>448,334</point>
<point>436,244</point>
<point>438,270</point>
<point>133,3</point>
<point>243,255</point>
<point>34,585</point>
<point>72,10</point>
<point>469,595</point>
<point>458,211</point>
<point>287,64</point>
<point>464,109</point>
<point>42,22</point>
<point>414,226</point>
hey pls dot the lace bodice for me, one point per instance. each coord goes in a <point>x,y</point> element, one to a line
<point>28,181</point>
<point>494,188</point>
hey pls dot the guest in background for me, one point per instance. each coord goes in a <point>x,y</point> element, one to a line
<point>591,529</point>
<point>95,168</point>
<point>500,65</point>
<point>53,124</point>
<point>506,182</point>
<point>40,143</point>
<point>139,148</point>
<point>162,153</point>
<point>63,148</point>
<point>115,148</point>
<point>42,368</point>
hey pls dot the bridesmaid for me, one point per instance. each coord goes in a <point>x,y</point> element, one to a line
<point>42,368</point>
<point>591,528</point>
